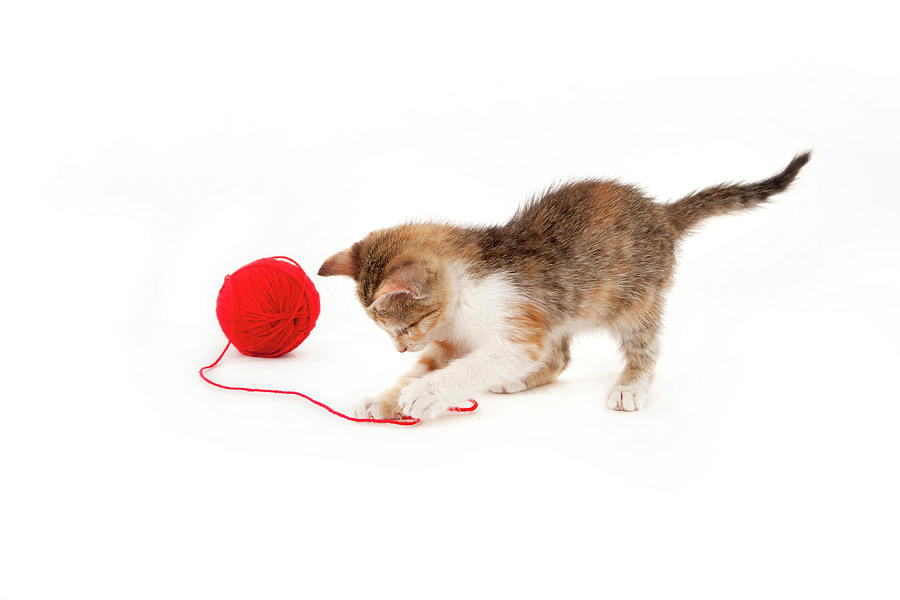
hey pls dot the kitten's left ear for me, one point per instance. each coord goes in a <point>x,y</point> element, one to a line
<point>342,263</point>
<point>391,288</point>
<point>403,284</point>
<point>389,297</point>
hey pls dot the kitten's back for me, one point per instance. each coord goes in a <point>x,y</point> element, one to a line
<point>583,248</point>
<point>599,249</point>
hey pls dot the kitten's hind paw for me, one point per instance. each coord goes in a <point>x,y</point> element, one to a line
<point>627,397</point>
<point>377,409</point>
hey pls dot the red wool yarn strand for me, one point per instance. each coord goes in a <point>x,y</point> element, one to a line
<point>267,308</point>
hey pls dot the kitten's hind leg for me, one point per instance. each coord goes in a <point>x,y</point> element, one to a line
<point>640,345</point>
<point>553,365</point>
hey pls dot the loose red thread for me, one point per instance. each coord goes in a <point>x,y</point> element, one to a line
<point>401,421</point>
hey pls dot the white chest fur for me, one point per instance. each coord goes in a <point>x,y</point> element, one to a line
<point>480,309</point>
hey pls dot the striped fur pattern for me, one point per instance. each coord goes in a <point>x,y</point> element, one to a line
<point>494,308</point>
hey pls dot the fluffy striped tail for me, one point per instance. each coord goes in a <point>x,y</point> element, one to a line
<point>725,198</point>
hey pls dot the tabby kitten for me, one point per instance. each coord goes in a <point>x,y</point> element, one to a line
<point>494,308</point>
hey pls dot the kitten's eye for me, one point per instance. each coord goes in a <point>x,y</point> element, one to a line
<point>422,318</point>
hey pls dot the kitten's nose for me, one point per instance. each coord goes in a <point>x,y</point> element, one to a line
<point>403,349</point>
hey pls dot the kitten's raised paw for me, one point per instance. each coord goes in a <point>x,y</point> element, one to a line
<point>627,397</point>
<point>377,409</point>
<point>509,388</point>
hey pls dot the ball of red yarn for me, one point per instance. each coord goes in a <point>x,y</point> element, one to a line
<point>267,308</point>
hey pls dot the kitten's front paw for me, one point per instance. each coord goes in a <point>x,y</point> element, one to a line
<point>377,409</point>
<point>511,387</point>
<point>422,401</point>
<point>627,397</point>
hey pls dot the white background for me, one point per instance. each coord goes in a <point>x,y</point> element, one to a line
<point>148,150</point>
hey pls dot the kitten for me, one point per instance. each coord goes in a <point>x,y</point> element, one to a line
<point>494,308</point>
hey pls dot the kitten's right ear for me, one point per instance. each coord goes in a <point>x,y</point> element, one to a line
<point>342,263</point>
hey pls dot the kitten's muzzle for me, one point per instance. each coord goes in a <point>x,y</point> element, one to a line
<point>409,346</point>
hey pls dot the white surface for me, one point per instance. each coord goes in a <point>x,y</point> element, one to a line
<point>146,152</point>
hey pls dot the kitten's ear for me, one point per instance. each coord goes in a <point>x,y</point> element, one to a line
<point>385,300</point>
<point>342,263</point>
<point>405,283</point>
<point>393,288</point>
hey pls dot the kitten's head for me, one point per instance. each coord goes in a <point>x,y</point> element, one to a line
<point>404,293</point>
<point>408,308</point>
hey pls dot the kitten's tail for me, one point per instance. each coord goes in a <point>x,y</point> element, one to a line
<point>684,214</point>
